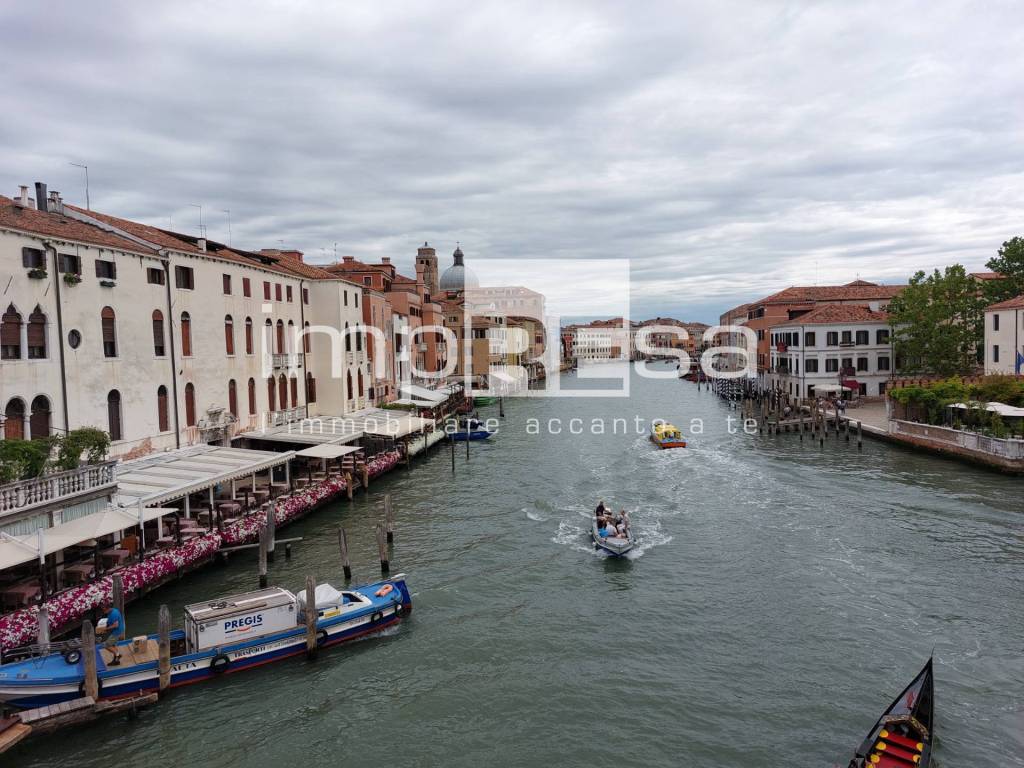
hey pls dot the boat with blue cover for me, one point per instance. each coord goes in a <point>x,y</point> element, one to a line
<point>219,637</point>
<point>469,429</point>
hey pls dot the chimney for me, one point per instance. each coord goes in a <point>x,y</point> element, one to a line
<point>41,196</point>
<point>386,260</point>
<point>874,306</point>
<point>201,244</point>
<point>22,200</point>
<point>348,259</point>
<point>293,255</point>
<point>55,204</point>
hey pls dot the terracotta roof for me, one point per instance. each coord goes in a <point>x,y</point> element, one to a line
<point>858,290</point>
<point>62,228</point>
<point>402,279</point>
<point>988,276</point>
<point>302,269</point>
<point>352,266</point>
<point>1014,303</point>
<point>150,234</point>
<point>838,313</point>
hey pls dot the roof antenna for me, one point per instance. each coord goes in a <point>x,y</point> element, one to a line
<point>228,212</point>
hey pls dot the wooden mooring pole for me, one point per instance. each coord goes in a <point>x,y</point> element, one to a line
<point>343,548</point>
<point>389,518</point>
<point>348,485</point>
<point>163,631</point>
<point>117,593</point>
<point>91,685</point>
<point>44,629</point>
<point>271,531</point>
<point>310,618</point>
<point>382,549</point>
<point>453,452</point>
<point>264,535</point>
<point>859,435</point>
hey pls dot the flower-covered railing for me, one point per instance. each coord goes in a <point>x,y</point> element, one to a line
<point>22,627</point>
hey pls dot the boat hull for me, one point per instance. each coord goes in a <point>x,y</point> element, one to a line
<point>612,545</point>
<point>668,443</point>
<point>903,734</point>
<point>120,682</point>
<point>477,434</point>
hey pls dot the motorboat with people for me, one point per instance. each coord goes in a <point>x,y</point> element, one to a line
<point>468,428</point>
<point>219,637</point>
<point>903,734</point>
<point>612,533</point>
<point>665,435</point>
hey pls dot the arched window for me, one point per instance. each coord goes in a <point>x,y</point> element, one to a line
<point>158,334</point>
<point>161,408</point>
<point>291,337</point>
<point>283,392</point>
<point>114,415</point>
<point>359,378</point>
<point>348,384</point>
<point>348,339</point>
<point>232,398</point>
<point>37,335</point>
<point>229,335</point>
<point>10,335</point>
<point>305,339</point>
<point>186,335</point>
<point>14,420</point>
<point>271,389</point>
<point>295,391</point>
<point>190,404</point>
<point>310,388</point>
<point>252,396</point>
<point>280,337</point>
<point>39,422</point>
<point>359,340</point>
<point>248,335</point>
<point>108,322</point>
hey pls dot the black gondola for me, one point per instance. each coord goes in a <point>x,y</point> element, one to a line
<point>902,737</point>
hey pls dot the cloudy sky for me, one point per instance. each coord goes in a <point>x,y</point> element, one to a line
<point>726,149</point>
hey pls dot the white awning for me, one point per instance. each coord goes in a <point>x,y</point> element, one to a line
<point>164,477</point>
<point>327,451</point>
<point>16,550</point>
<point>831,388</point>
<point>422,394</point>
<point>993,407</point>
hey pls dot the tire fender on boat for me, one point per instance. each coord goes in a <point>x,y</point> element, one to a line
<point>73,656</point>
<point>399,609</point>
<point>377,616</point>
<point>321,636</point>
<point>220,663</point>
<point>99,688</point>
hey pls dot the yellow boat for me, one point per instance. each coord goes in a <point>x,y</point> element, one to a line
<point>666,435</point>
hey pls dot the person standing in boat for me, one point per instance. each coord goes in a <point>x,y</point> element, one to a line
<point>600,512</point>
<point>114,631</point>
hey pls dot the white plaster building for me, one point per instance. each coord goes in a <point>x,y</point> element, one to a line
<point>1004,336</point>
<point>834,344</point>
<point>162,339</point>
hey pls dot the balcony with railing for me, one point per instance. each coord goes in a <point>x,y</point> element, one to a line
<point>287,360</point>
<point>25,495</point>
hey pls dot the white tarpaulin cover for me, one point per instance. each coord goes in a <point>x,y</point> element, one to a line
<point>325,595</point>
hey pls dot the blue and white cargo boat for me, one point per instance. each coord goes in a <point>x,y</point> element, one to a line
<point>219,637</point>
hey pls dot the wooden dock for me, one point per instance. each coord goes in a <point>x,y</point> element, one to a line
<point>55,716</point>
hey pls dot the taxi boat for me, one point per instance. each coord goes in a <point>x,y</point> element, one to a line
<point>666,435</point>
<point>902,737</point>
<point>219,637</point>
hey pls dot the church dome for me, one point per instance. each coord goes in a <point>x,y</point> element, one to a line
<point>458,277</point>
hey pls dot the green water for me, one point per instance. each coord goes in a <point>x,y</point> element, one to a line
<point>781,598</point>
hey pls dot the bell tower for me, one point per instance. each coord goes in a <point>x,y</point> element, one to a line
<point>426,263</point>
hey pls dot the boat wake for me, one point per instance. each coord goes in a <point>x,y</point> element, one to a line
<point>648,533</point>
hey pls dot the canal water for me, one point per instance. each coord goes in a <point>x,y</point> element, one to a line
<point>782,596</point>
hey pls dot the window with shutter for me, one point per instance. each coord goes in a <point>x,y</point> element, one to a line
<point>184,278</point>
<point>106,270</point>
<point>190,404</point>
<point>310,388</point>
<point>107,321</point>
<point>114,415</point>
<point>295,391</point>
<point>70,263</point>
<point>186,335</point>
<point>266,291</point>
<point>305,295</point>
<point>277,291</point>
<point>227,284</point>
<point>288,293</point>
<point>229,335</point>
<point>282,390</point>
<point>39,421</point>
<point>14,420</point>
<point>271,400</point>
<point>305,339</point>
<point>232,398</point>
<point>10,335</point>
<point>33,258</point>
<point>248,335</point>
<point>37,335</point>
<point>158,333</point>
<point>161,409</point>
<point>155,276</point>
<point>280,337</point>
<point>252,396</point>
<point>246,287</point>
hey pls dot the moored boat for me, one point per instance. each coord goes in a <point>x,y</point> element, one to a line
<point>469,429</point>
<point>219,637</point>
<point>665,435</point>
<point>614,544</point>
<point>903,735</point>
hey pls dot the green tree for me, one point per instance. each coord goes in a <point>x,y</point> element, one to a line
<point>938,323</point>
<point>1008,262</point>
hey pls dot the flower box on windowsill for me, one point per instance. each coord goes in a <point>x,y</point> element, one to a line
<point>70,278</point>
<point>37,274</point>
<point>107,283</point>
